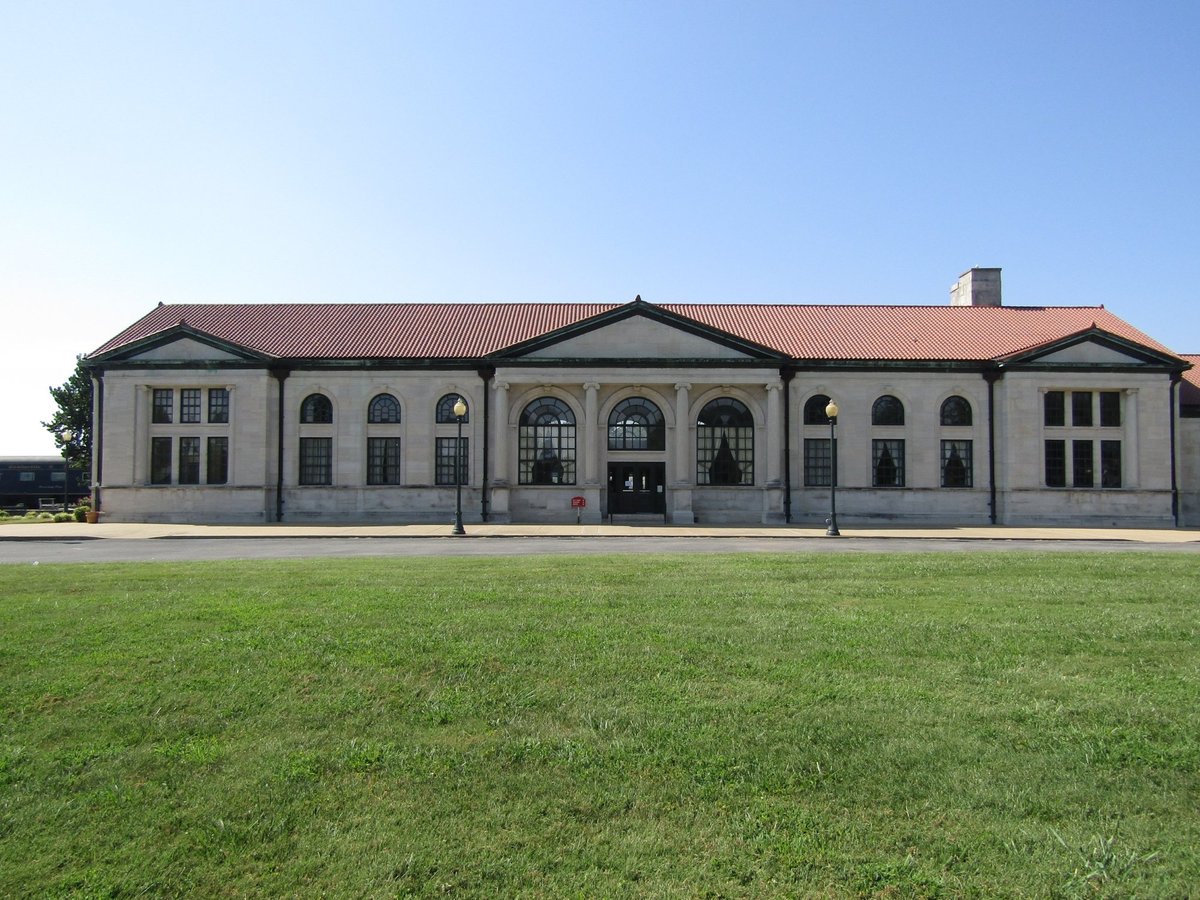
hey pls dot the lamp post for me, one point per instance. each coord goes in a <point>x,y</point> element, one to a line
<point>832,412</point>
<point>460,410</point>
<point>67,436</point>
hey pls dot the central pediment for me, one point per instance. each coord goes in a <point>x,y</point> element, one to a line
<point>639,330</point>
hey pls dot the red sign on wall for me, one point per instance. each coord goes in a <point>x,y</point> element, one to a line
<point>578,502</point>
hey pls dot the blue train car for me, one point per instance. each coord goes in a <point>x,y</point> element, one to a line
<point>37,482</point>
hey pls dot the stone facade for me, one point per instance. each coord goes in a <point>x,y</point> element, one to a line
<point>990,462</point>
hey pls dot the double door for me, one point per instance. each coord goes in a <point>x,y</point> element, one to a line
<point>637,487</point>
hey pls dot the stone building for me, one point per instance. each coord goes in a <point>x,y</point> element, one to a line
<point>966,413</point>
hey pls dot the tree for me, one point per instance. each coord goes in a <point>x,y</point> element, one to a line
<point>74,415</point>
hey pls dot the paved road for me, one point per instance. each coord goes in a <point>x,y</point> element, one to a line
<point>189,549</point>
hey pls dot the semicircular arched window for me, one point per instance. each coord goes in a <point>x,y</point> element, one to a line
<point>636,424</point>
<point>814,410</point>
<point>725,443</point>
<point>316,410</point>
<point>546,443</point>
<point>887,410</point>
<point>445,410</point>
<point>384,409</point>
<point>956,411</point>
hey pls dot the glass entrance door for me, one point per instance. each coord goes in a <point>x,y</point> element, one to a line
<point>637,487</point>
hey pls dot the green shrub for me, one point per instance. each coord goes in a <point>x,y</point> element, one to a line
<point>63,517</point>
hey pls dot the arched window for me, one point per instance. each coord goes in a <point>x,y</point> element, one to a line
<point>384,410</point>
<point>636,424</point>
<point>546,443</point>
<point>956,411</point>
<point>725,443</point>
<point>445,410</point>
<point>316,410</point>
<point>814,410</point>
<point>887,410</point>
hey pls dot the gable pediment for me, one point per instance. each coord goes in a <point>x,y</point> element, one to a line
<point>180,344</point>
<point>639,330</point>
<point>1093,348</point>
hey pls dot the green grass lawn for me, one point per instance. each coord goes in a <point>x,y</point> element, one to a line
<point>736,725</point>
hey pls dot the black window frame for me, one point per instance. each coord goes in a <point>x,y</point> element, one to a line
<point>1083,464</point>
<point>637,423</point>
<point>217,461</point>
<point>956,412</point>
<point>384,461</point>
<point>887,455</point>
<point>161,459</point>
<point>965,452</point>
<point>888,411</point>
<point>446,460</point>
<point>1055,462</point>
<point>189,459</point>
<point>315,468</point>
<point>444,414</point>
<point>190,405</point>
<point>814,410</point>
<point>1054,409</point>
<point>316,409</point>
<point>1110,409</point>
<point>1110,464</point>
<point>1082,415</point>
<point>721,462</point>
<point>218,406</point>
<point>162,409</point>
<point>818,462</point>
<point>546,443</point>
<point>384,409</point>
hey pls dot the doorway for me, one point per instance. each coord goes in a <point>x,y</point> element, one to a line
<point>637,487</point>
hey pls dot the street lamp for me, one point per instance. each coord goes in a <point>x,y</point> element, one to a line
<point>832,412</point>
<point>67,436</point>
<point>460,410</point>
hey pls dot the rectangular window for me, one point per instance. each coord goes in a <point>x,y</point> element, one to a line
<point>1082,474</point>
<point>447,459</point>
<point>189,405</point>
<point>1081,408</point>
<point>957,467</point>
<point>818,466</point>
<point>1053,409</point>
<point>383,460</point>
<point>887,463</point>
<point>164,406</point>
<point>1110,464</point>
<point>160,460</point>
<point>189,460</point>
<point>316,460</point>
<point>218,460</point>
<point>1056,463</point>
<point>1110,409</point>
<point>218,406</point>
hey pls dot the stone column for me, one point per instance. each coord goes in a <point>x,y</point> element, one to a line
<point>500,435</point>
<point>774,432</point>
<point>590,427</point>
<point>1130,476</point>
<point>683,431</point>
<point>141,436</point>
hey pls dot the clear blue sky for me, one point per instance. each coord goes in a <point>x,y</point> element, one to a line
<point>815,152</point>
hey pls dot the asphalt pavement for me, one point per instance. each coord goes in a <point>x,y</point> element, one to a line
<point>112,542</point>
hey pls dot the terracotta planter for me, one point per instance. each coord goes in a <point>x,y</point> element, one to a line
<point>93,516</point>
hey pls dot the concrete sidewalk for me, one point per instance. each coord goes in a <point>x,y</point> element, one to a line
<point>76,531</point>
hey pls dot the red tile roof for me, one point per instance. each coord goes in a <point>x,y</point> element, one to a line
<point>470,330</point>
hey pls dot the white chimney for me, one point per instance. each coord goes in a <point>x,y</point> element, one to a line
<point>977,287</point>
